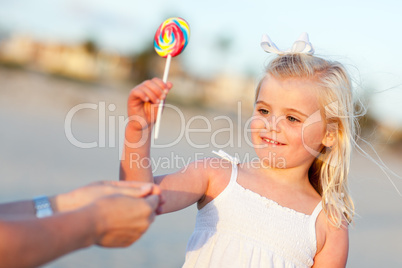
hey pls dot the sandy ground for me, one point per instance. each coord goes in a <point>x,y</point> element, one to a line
<point>38,156</point>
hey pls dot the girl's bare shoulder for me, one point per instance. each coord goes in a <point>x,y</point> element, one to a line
<point>219,172</point>
<point>216,167</point>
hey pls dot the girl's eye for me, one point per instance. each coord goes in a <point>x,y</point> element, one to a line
<point>293,119</point>
<point>263,111</point>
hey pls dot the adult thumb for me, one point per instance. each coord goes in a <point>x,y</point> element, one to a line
<point>153,201</point>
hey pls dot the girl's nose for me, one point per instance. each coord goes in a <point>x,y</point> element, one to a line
<point>273,123</point>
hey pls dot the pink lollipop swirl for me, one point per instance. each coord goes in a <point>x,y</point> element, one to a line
<point>171,37</point>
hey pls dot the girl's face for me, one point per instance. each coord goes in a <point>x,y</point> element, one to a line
<point>286,128</point>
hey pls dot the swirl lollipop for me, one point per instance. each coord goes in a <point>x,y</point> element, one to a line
<point>170,40</point>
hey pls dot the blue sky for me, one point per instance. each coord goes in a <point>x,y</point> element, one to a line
<point>363,35</point>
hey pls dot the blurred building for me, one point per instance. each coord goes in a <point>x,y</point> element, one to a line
<point>75,61</point>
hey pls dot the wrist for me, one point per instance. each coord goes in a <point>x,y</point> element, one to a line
<point>137,125</point>
<point>98,217</point>
<point>95,223</point>
<point>135,130</point>
<point>61,203</point>
<point>91,214</point>
<point>82,226</point>
<point>54,203</point>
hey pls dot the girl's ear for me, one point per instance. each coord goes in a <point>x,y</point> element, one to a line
<point>329,139</point>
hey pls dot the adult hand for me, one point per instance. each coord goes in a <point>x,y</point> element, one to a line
<point>108,214</point>
<point>84,196</point>
<point>122,210</point>
<point>121,220</point>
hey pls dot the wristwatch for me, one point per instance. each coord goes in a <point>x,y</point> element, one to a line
<point>42,206</point>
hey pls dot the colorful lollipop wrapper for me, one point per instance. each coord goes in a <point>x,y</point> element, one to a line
<point>170,40</point>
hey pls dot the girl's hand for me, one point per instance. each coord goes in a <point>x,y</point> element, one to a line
<point>143,102</point>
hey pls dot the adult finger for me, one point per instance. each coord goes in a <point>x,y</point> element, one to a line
<point>132,188</point>
<point>135,184</point>
<point>153,201</point>
<point>156,189</point>
<point>142,191</point>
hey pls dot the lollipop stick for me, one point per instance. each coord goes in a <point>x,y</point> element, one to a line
<point>158,116</point>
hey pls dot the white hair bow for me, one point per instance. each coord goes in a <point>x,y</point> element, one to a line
<point>301,45</point>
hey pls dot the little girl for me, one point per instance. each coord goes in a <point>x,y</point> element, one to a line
<point>289,213</point>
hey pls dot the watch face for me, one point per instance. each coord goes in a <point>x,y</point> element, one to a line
<point>42,207</point>
<point>44,212</point>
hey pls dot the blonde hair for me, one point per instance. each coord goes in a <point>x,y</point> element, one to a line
<point>329,172</point>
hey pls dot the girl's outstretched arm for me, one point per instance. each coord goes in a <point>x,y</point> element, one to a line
<point>142,107</point>
<point>200,181</point>
<point>185,187</point>
<point>334,251</point>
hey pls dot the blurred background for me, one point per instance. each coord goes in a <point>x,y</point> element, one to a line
<point>55,55</point>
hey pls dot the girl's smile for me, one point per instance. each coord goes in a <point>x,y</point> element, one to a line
<point>270,141</point>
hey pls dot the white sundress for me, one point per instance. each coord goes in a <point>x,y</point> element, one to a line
<point>240,228</point>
